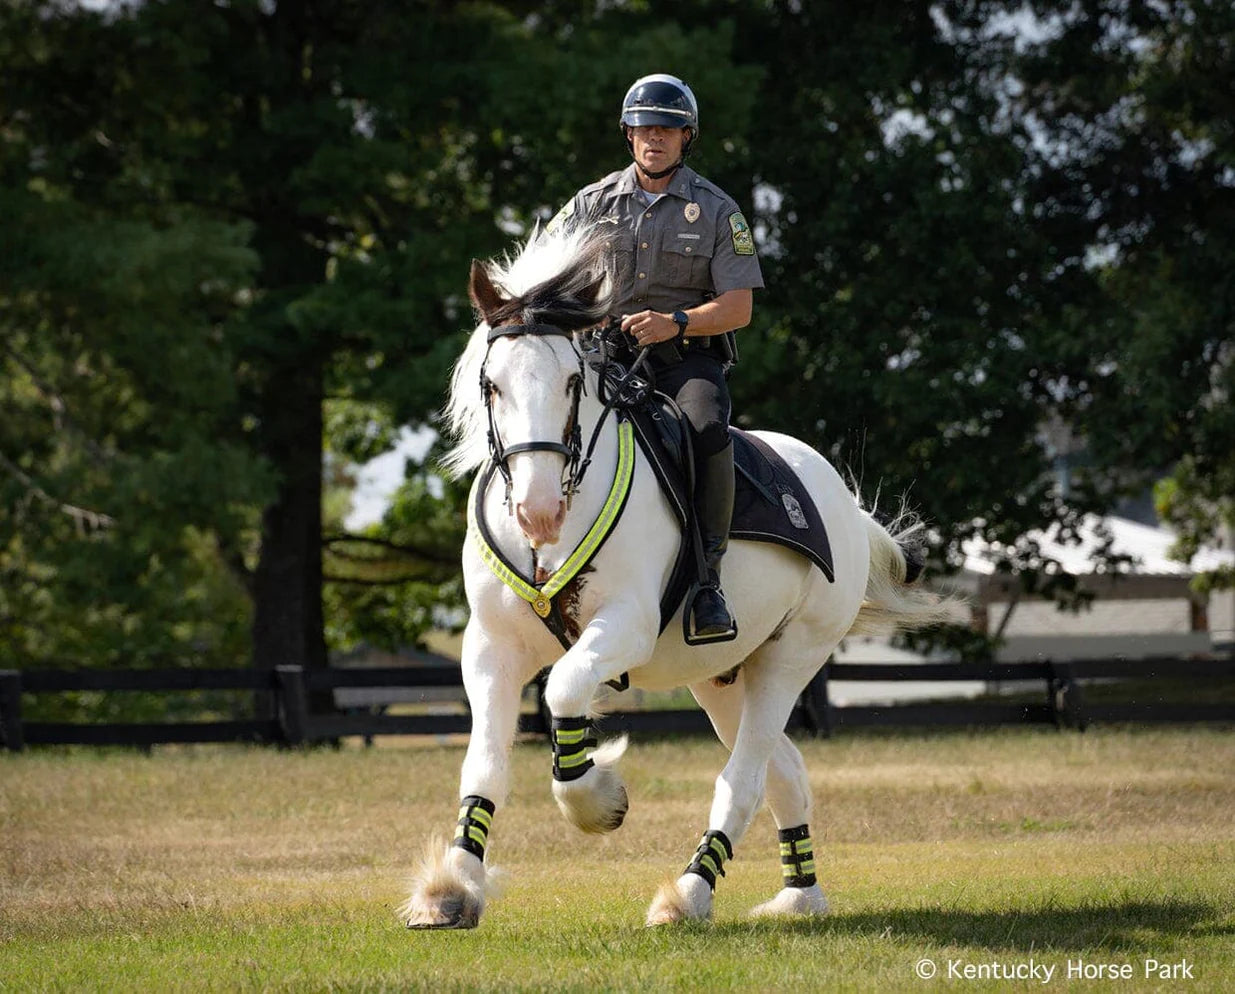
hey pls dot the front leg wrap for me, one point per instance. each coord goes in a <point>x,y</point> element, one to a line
<point>475,820</point>
<point>709,859</point>
<point>571,739</point>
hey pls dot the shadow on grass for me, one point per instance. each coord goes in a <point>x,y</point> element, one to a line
<point>1131,926</point>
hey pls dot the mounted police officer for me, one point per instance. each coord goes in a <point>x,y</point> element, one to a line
<point>684,269</point>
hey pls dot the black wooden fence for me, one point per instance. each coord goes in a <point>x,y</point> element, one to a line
<point>1060,701</point>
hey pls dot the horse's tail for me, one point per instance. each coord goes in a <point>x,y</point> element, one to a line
<point>895,598</point>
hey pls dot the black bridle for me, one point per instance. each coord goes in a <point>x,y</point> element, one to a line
<point>570,447</point>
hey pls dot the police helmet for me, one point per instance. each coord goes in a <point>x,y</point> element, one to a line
<point>660,99</point>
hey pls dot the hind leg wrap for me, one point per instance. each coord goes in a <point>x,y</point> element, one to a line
<point>797,856</point>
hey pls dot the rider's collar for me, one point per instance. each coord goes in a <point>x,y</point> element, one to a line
<point>683,180</point>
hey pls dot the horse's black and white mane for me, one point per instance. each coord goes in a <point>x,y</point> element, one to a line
<point>551,280</point>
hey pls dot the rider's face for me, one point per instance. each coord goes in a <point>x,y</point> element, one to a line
<point>656,147</point>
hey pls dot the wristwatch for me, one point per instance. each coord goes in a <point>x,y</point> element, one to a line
<point>681,319</point>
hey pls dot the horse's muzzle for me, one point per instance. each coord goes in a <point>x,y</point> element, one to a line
<point>541,527</point>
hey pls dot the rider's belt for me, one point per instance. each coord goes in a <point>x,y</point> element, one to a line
<point>542,598</point>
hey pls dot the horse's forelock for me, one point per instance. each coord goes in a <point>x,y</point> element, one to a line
<point>549,281</point>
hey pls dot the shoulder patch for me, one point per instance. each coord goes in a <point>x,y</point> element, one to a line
<point>743,240</point>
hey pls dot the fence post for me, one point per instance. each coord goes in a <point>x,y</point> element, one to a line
<point>10,710</point>
<point>1065,698</point>
<point>293,704</point>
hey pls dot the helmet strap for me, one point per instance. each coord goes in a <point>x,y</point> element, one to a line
<point>660,173</point>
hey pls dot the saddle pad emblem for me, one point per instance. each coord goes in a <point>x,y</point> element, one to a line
<point>792,508</point>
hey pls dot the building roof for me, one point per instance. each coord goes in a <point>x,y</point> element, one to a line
<point>1146,545</point>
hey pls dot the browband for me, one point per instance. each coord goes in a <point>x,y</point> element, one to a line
<point>518,330</point>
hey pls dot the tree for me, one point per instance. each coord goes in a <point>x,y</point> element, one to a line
<point>327,146</point>
<point>1137,149</point>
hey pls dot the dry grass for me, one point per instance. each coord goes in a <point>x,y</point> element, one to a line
<point>257,869</point>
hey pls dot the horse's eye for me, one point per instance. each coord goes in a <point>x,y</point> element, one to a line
<point>491,389</point>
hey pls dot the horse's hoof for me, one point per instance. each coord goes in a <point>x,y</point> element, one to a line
<point>619,813</point>
<point>597,802</point>
<point>458,922</point>
<point>794,901</point>
<point>452,913</point>
<point>680,900</point>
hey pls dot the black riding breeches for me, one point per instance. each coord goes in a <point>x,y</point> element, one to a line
<point>697,384</point>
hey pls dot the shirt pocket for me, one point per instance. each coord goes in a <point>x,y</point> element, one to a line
<point>621,252</point>
<point>688,257</point>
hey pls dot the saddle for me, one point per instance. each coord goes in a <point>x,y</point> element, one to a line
<point>770,502</point>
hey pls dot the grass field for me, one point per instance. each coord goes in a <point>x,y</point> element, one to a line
<point>220,869</point>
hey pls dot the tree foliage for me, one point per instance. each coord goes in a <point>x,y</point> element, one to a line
<point>237,238</point>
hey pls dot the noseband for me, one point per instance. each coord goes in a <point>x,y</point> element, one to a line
<point>571,445</point>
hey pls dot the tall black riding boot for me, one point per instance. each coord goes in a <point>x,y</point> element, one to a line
<point>714,507</point>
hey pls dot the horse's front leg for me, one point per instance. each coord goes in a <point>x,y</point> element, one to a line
<point>450,888</point>
<point>587,785</point>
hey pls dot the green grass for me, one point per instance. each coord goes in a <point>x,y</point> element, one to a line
<point>220,869</point>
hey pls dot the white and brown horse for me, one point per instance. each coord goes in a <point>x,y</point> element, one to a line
<point>523,405</point>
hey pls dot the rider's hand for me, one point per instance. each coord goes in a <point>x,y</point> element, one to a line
<point>649,327</point>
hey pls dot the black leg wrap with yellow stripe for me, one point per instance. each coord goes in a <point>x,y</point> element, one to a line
<point>475,820</point>
<point>571,739</point>
<point>797,856</point>
<point>709,861</point>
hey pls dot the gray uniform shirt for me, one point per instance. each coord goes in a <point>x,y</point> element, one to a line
<point>689,246</point>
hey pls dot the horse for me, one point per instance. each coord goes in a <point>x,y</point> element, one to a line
<point>521,402</point>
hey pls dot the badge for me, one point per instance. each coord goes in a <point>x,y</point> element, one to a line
<point>542,606</point>
<point>691,213</point>
<point>743,241</point>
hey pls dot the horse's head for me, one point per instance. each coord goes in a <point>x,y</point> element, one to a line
<point>531,381</point>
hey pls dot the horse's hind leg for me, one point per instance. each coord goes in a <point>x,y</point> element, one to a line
<point>773,677</point>
<point>788,797</point>
<point>449,890</point>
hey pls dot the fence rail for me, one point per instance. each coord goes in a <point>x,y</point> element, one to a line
<point>1062,701</point>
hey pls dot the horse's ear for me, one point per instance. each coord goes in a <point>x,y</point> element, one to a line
<point>481,288</point>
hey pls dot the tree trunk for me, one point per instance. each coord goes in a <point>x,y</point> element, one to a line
<point>288,621</point>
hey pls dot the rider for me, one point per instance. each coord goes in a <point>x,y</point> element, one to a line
<point>685,268</point>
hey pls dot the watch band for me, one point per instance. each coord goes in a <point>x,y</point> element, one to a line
<point>681,319</point>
